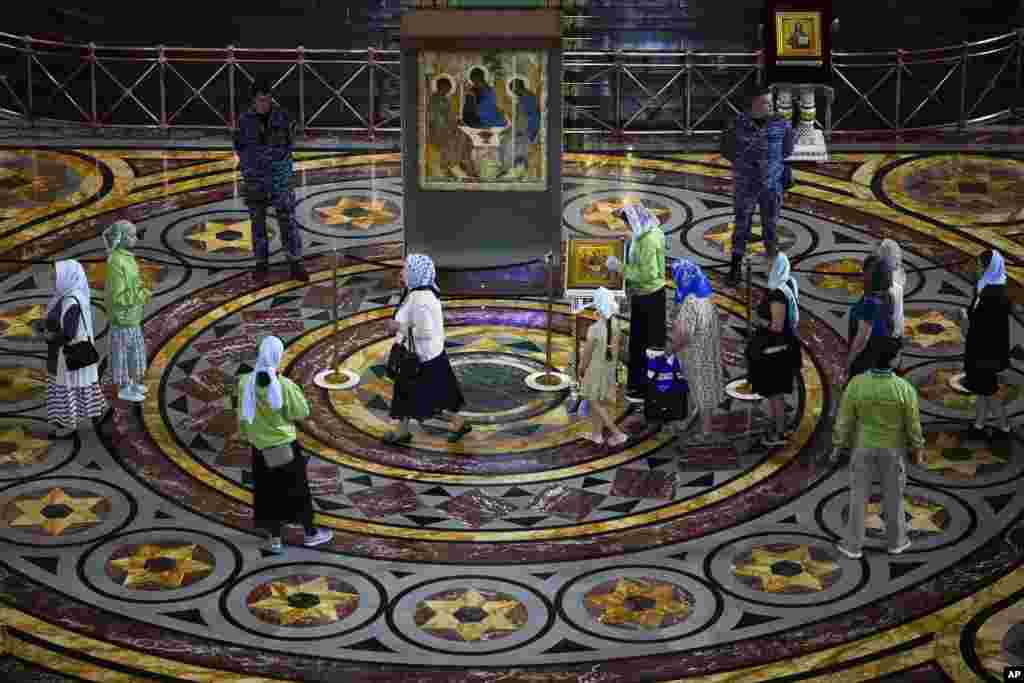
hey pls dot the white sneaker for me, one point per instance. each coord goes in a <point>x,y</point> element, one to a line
<point>319,538</point>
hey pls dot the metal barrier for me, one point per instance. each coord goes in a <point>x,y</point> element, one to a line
<point>622,93</point>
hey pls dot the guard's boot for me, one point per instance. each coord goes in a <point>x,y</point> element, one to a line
<point>262,270</point>
<point>735,275</point>
<point>299,272</point>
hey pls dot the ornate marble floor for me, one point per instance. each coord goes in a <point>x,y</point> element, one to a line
<point>523,554</point>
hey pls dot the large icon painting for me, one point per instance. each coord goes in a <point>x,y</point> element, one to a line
<point>482,120</point>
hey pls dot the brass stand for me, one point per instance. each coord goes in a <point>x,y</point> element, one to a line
<point>336,378</point>
<point>549,380</point>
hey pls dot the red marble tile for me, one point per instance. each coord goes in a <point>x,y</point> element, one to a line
<point>630,483</point>
<point>566,502</point>
<point>476,508</point>
<point>382,501</point>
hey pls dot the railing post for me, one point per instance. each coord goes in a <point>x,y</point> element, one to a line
<point>900,56</point>
<point>29,90</point>
<point>231,88</point>
<point>371,68</point>
<point>962,121</point>
<point>618,93</point>
<point>92,84</point>
<point>1020,72</point>
<point>688,65</point>
<point>161,61</point>
<point>760,68</point>
<point>301,60</point>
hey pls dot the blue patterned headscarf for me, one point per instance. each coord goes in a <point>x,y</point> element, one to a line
<point>420,272</point>
<point>995,274</point>
<point>690,280</point>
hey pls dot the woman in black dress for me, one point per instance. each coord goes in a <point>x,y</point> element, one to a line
<point>773,356</point>
<point>987,350</point>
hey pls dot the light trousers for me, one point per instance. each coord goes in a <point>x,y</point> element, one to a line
<point>888,465</point>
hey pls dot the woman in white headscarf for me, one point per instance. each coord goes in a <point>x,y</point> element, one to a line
<point>599,359</point>
<point>268,408</point>
<point>644,273</point>
<point>126,301</point>
<point>892,256</point>
<point>987,348</point>
<point>71,395</point>
<point>773,356</point>
<point>435,393</point>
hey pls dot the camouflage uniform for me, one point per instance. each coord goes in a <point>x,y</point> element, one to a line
<point>266,164</point>
<point>759,176</point>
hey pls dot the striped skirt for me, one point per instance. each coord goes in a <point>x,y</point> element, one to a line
<point>127,355</point>
<point>66,406</point>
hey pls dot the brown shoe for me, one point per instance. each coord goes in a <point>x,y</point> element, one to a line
<point>299,272</point>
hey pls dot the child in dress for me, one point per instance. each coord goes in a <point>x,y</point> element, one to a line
<point>600,358</point>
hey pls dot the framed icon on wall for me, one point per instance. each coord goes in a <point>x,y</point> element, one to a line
<point>798,37</point>
<point>584,264</point>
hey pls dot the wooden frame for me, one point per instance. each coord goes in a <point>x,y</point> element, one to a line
<point>583,265</point>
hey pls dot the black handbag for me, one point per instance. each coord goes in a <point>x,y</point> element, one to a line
<point>403,363</point>
<point>82,353</point>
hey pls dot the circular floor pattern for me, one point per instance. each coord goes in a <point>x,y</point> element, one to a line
<point>29,449</point>
<point>595,212</point>
<point>954,461</point>
<point>217,237</point>
<point>784,570</point>
<point>711,237</point>
<point>159,565</point>
<point>62,511</point>
<point>32,179</point>
<point>303,601</point>
<point>638,604</point>
<point>939,398</point>
<point>471,615</point>
<point>351,212</point>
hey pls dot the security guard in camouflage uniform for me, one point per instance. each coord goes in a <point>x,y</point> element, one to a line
<point>264,146</point>
<point>762,142</point>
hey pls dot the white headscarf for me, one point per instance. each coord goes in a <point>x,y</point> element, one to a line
<point>72,283</point>
<point>891,254</point>
<point>995,274</point>
<point>604,302</point>
<point>271,352</point>
<point>641,221</point>
<point>781,279</point>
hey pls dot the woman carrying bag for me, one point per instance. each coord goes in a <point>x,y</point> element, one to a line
<point>72,385</point>
<point>268,408</point>
<point>431,390</point>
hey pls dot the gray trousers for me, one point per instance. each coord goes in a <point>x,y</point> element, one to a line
<point>888,465</point>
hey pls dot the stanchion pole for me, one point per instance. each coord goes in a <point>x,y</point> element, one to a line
<point>335,378</point>
<point>549,379</point>
<point>551,306</point>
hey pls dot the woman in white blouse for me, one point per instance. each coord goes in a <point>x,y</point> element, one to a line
<point>435,393</point>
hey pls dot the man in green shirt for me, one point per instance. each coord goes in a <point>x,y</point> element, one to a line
<point>879,421</point>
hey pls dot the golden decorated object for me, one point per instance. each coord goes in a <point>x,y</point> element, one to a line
<point>310,601</point>
<point>357,213</point>
<point>763,562</point>
<point>645,603</point>
<point>495,615</point>
<point>161,566</point>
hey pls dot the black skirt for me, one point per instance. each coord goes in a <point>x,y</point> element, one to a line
<point>436,389</point>
<point>281,494</point>
<point>773,360</point>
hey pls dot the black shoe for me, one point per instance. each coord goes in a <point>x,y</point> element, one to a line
<point>299,272</point>
<point>262,270</point>
<point>735,276</point>
<point>977,434</point>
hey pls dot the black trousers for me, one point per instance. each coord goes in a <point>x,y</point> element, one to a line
<point>281,494</point>
<point>646,329</point>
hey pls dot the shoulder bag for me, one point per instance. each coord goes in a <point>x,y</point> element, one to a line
<point>278,456</point>
<point>80,352</point>
<point>403,363</point>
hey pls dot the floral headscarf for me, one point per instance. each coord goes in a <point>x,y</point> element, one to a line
<point>641,221</point>
<point>271,352</point>
<point>116,235</point>
<point>420,272</point>
<point>690,280</point>
<point>779,278</point>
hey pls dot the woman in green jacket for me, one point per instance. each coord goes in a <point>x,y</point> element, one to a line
<point>268,408</point>
<point>126,299</point>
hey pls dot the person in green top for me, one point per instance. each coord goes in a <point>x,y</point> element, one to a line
<point>268,408</point>
<point>644,273</point>
<point>879,420</point>
<point>126,299</point>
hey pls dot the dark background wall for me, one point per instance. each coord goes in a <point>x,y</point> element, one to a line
<point>462,229</point>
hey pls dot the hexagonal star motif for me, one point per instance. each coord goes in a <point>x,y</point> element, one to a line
<point>602,213</point>
<point>930,328</point>
<point>921,516</point>
<point>56,512</point>
<point>781,571</point>
<point>162,566</point>
<point>357,212</point>
<point>19,447</point>
<point>471,615</point>
<point>945,454</point>
<point>313,601</point>
<point>18,321</point>
<point>721,237</point>
<point>216,236</point>
<point>642,602</point>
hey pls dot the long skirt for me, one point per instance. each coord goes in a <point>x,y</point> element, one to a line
<point>66,406</point>
<point>435,390</point>
<point>127,354</point>
<point>646,330</point>
<point>281,494</point>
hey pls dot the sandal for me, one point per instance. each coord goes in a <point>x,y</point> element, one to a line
<point>591,437</point>
<point>456,436</point>
<point>396,439</point>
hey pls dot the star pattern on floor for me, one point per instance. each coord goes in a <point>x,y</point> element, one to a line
<point>944,453</point>
<point>163,566</point>
<point>643,602</point>
<point>842,274</point>
<point>22,384</point>
<point>311,601</point>
<point>217,236</point>
<point>602,213</point>
<point>932,328</point>
<point>920,516</point>
<point>471,615</point>
<point>18,321</point>
<point>780,571</point>
<point>56,512</point>
<point>20,447</point>
<point>357,212</point>
<point>721,237</point>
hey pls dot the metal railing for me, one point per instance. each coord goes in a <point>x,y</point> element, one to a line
<point>622,93</point>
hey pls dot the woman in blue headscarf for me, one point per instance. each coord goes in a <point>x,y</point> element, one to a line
<point>987,349</point>
<point>773,356</point>
<point>696,338</point>
<point>420,321</point>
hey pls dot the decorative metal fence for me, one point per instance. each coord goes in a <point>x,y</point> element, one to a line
<point>624,93</point>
